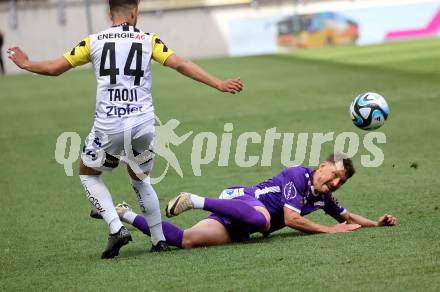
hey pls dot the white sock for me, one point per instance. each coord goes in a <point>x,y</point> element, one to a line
<point>100,198</point>
<point>129,217</point>
<point>150,207</point>
<point>198,201</point>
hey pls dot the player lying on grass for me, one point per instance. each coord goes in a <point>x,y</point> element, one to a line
<point>280,201</point>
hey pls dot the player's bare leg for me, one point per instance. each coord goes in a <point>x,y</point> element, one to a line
<point>207,232</point>
<point>101,199</point>
<point>149,204</point>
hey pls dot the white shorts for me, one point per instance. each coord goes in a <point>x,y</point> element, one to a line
<point>103,152</point>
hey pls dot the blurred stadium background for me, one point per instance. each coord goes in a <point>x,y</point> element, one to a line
<point>218,28</point>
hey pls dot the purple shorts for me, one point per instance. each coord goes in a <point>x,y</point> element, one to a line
<point>237,230</point>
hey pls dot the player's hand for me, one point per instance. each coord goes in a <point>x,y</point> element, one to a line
<point>18,57</point>
<point>343,227</point>
<point>231,85</point>
<point>387,220</point>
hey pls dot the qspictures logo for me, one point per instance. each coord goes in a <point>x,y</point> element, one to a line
<point>209,148</point>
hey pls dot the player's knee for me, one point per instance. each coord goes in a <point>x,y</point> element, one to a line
<point>188,243</point>
<point>137,176</point>
<point>190,239</point>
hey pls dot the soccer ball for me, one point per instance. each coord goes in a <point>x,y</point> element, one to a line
<point>369,111</point>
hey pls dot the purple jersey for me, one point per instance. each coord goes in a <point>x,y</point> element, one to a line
<point>292,188</point>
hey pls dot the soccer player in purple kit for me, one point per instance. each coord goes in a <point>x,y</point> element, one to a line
<point>280,201</point>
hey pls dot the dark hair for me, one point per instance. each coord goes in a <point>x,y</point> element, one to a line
<point>346,161</point>
<point>122,4</point>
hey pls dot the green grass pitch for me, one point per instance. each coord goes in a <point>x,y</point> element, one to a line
<point>48,241</point>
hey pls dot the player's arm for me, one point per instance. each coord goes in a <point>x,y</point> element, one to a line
<point>334,209</point>
<point>51,67</point>
<point>385,220</point>
<point>195,72</point>
<point>79,55</point>
<point>296,221</point>
<point>165,56</point>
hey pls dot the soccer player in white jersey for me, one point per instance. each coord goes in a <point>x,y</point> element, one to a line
<point>124,121</point>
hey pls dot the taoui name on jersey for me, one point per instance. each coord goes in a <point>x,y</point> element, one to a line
<point>123,35</point>
<point>117,94</point>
